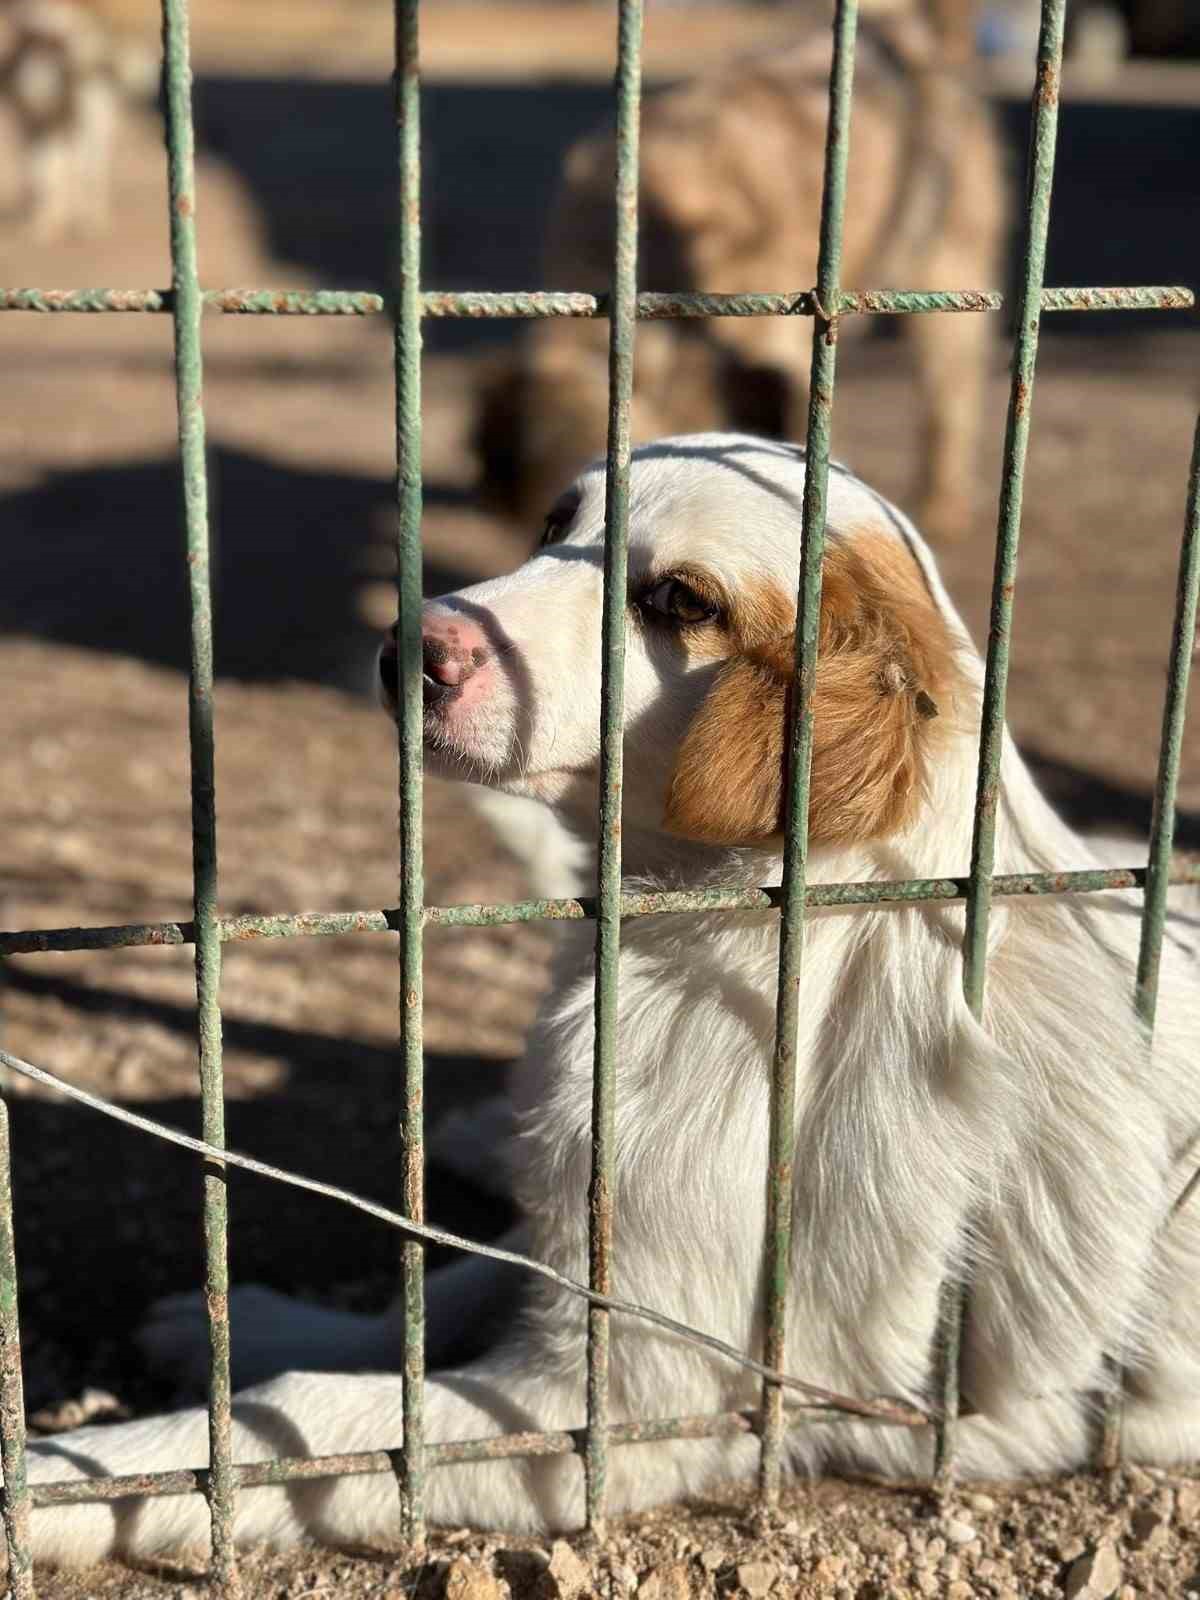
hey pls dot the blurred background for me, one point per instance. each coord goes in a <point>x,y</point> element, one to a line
<point>296,188</point>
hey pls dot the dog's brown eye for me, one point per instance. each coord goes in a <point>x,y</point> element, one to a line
<point>674,600</point>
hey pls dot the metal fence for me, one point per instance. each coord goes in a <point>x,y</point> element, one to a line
<point>827,304</point>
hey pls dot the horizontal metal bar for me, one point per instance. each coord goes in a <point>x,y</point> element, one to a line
<point>234,302</point>
<point>291,1469</point>
<point>331,924</point>
<point>532,304</point>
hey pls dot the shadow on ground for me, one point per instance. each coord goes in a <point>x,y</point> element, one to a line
<point>1093,803</point>
<point>137,1201</point>
<point>93,558</point>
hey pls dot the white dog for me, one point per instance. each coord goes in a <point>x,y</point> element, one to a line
<point>1038,1154</point>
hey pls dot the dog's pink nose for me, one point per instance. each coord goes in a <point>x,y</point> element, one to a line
<point>441,665</point>
<point>454,648</point>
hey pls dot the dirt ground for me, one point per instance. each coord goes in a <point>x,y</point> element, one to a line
<point>94,798</point>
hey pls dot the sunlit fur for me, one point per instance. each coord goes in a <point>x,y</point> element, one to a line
<point>1038,1153</point>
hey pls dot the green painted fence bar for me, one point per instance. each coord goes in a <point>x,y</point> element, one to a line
<point>410,1460</point>
<point>535,303</point>
<point>339,924</point>
<point>612,736</point>
<point>778,1248</point>
<point>1162,837</point>
<point>787,1401</point>
<point>17,1499</point>
<point>1039,181</point>
<point>189,396</point>
<point>1162,825</point>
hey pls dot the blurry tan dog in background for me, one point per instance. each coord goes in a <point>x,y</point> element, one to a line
<point>65,74</point>
<point>731,173</point>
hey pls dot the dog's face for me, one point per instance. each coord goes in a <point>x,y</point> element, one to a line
<point>512,667</point>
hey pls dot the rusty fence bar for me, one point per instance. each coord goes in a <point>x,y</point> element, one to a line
<point>186,310</point>
<point>1039,181</point>
<point>612,737</point>
<point>185,302</point>
<point>1162,824</point>
<point>18,1500</point>
<point>1162,838</point>
<point>531,304</point>
<point>778,1243</point>
<point>409,1460</point>
<point>339,924</point>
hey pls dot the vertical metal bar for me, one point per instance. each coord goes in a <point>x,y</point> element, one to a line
<point>795,862</point>
<point>412,878</point>
<point>1039,179</point>
<point>1162,840</point>
<point>187,308</point>
<point>612,714</point>
<point>1162,826</point>
<point>16,1501</point>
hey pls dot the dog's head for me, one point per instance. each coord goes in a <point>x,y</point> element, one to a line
<point>512,667</point>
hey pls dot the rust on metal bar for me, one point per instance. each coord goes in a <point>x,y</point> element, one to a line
<point>506,1446</point>
<point>606,1016</point>
<point>336,924</point>
<point>1039,182</point>
<point>530,304</point>
<point>15,1494</point>
<point>189,399</point>
<point>777,1245</point>
<point>406,337</point>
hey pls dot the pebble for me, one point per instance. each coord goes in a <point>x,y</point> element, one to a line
<point>1187,1504</point>
<point>1095,1576</point>
<point>757,1577</point>
<point>467,1581</point>
<point>934,1551</point>
<point>980,1502</point>
<point>669,1582</point>
<point>830,1569</point>
<point>880,1541</point>
<point>714,1558</point>
<point>957,1531</point>
<point>1138,1480</point>
<point>1148,1525</point>
<point>568,1575</point>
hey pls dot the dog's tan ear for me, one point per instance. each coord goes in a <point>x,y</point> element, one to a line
<point>728,782</point>
<point>886,668</point>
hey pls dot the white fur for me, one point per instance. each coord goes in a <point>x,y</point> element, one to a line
<point>1044,1146</point>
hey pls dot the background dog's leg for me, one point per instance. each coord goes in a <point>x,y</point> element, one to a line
<point>952,358</point>
<point>92,151</point>
<point>47,179</point>
<point>270,1333</point>
<point>473,1144</point>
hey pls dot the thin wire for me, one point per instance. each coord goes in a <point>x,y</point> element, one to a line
<point>878,1410</point>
